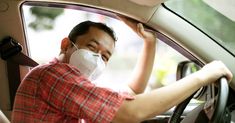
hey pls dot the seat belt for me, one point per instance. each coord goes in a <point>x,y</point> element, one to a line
<point>10,51</point>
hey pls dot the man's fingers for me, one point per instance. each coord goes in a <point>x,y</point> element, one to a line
<point>217,69</point>
<point>229,75</point>
<point>140,30</point>
<point>227,72</point>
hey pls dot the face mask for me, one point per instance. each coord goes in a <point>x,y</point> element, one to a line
<point>90,64</point>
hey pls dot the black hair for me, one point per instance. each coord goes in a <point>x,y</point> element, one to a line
<point>83,27</point>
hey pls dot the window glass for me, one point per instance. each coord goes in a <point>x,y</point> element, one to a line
<point>45,27</point>
<point>214,17</point>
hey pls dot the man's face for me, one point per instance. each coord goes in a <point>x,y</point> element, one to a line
<point>95,40</point>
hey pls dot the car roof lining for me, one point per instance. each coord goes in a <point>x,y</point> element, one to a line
<point>149,3</point>
<point>143,14</point>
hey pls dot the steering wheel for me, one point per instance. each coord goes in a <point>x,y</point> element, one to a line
<point>219,107</point>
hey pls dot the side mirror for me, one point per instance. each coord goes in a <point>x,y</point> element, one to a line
<point>185,68</point>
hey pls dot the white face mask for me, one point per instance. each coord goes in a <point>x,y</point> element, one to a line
<point>90,64</point>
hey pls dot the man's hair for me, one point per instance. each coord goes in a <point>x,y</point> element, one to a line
<point>83,27</point>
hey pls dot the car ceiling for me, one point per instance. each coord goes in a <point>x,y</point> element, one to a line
<point>145,8</point>
<point>148,2</point>
<point>143,14</point>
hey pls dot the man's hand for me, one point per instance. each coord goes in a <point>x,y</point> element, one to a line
<point>213,71</point>
<point>145,61</point>
<point>146,34</point>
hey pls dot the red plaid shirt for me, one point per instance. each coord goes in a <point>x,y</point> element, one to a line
<point>56,92</point>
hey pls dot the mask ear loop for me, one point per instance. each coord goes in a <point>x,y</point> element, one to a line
<point>74,45</point>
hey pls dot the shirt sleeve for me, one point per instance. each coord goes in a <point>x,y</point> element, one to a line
<point>66,90</point>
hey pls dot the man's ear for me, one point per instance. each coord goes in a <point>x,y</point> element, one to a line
<point>65,44</point>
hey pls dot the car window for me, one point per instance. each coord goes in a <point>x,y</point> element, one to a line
<point>214,17</point>
<point>45,27</point>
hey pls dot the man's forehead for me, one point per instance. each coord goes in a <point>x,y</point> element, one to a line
<point>101,37</point>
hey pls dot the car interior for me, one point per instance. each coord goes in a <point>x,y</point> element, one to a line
<point>189,46</point>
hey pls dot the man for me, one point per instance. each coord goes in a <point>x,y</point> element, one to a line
<point>61,91</point>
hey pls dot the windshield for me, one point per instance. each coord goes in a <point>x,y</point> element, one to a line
<point>206,15</point>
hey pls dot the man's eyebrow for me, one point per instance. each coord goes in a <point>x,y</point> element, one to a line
<point>95,41</point>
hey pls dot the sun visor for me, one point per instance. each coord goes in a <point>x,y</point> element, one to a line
<point>148,2</point>
<point>225,7</point>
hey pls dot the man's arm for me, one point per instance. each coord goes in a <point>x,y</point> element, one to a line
<point>160,100</point>
<point>145,61</point>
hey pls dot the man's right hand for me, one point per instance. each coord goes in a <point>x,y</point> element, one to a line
<point>148,105</point>
<point>213,71</point>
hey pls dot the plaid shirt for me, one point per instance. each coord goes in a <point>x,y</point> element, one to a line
<point>57,92</point>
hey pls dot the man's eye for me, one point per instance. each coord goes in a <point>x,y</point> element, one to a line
<point>105,58</point>
<point>91,47</point>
